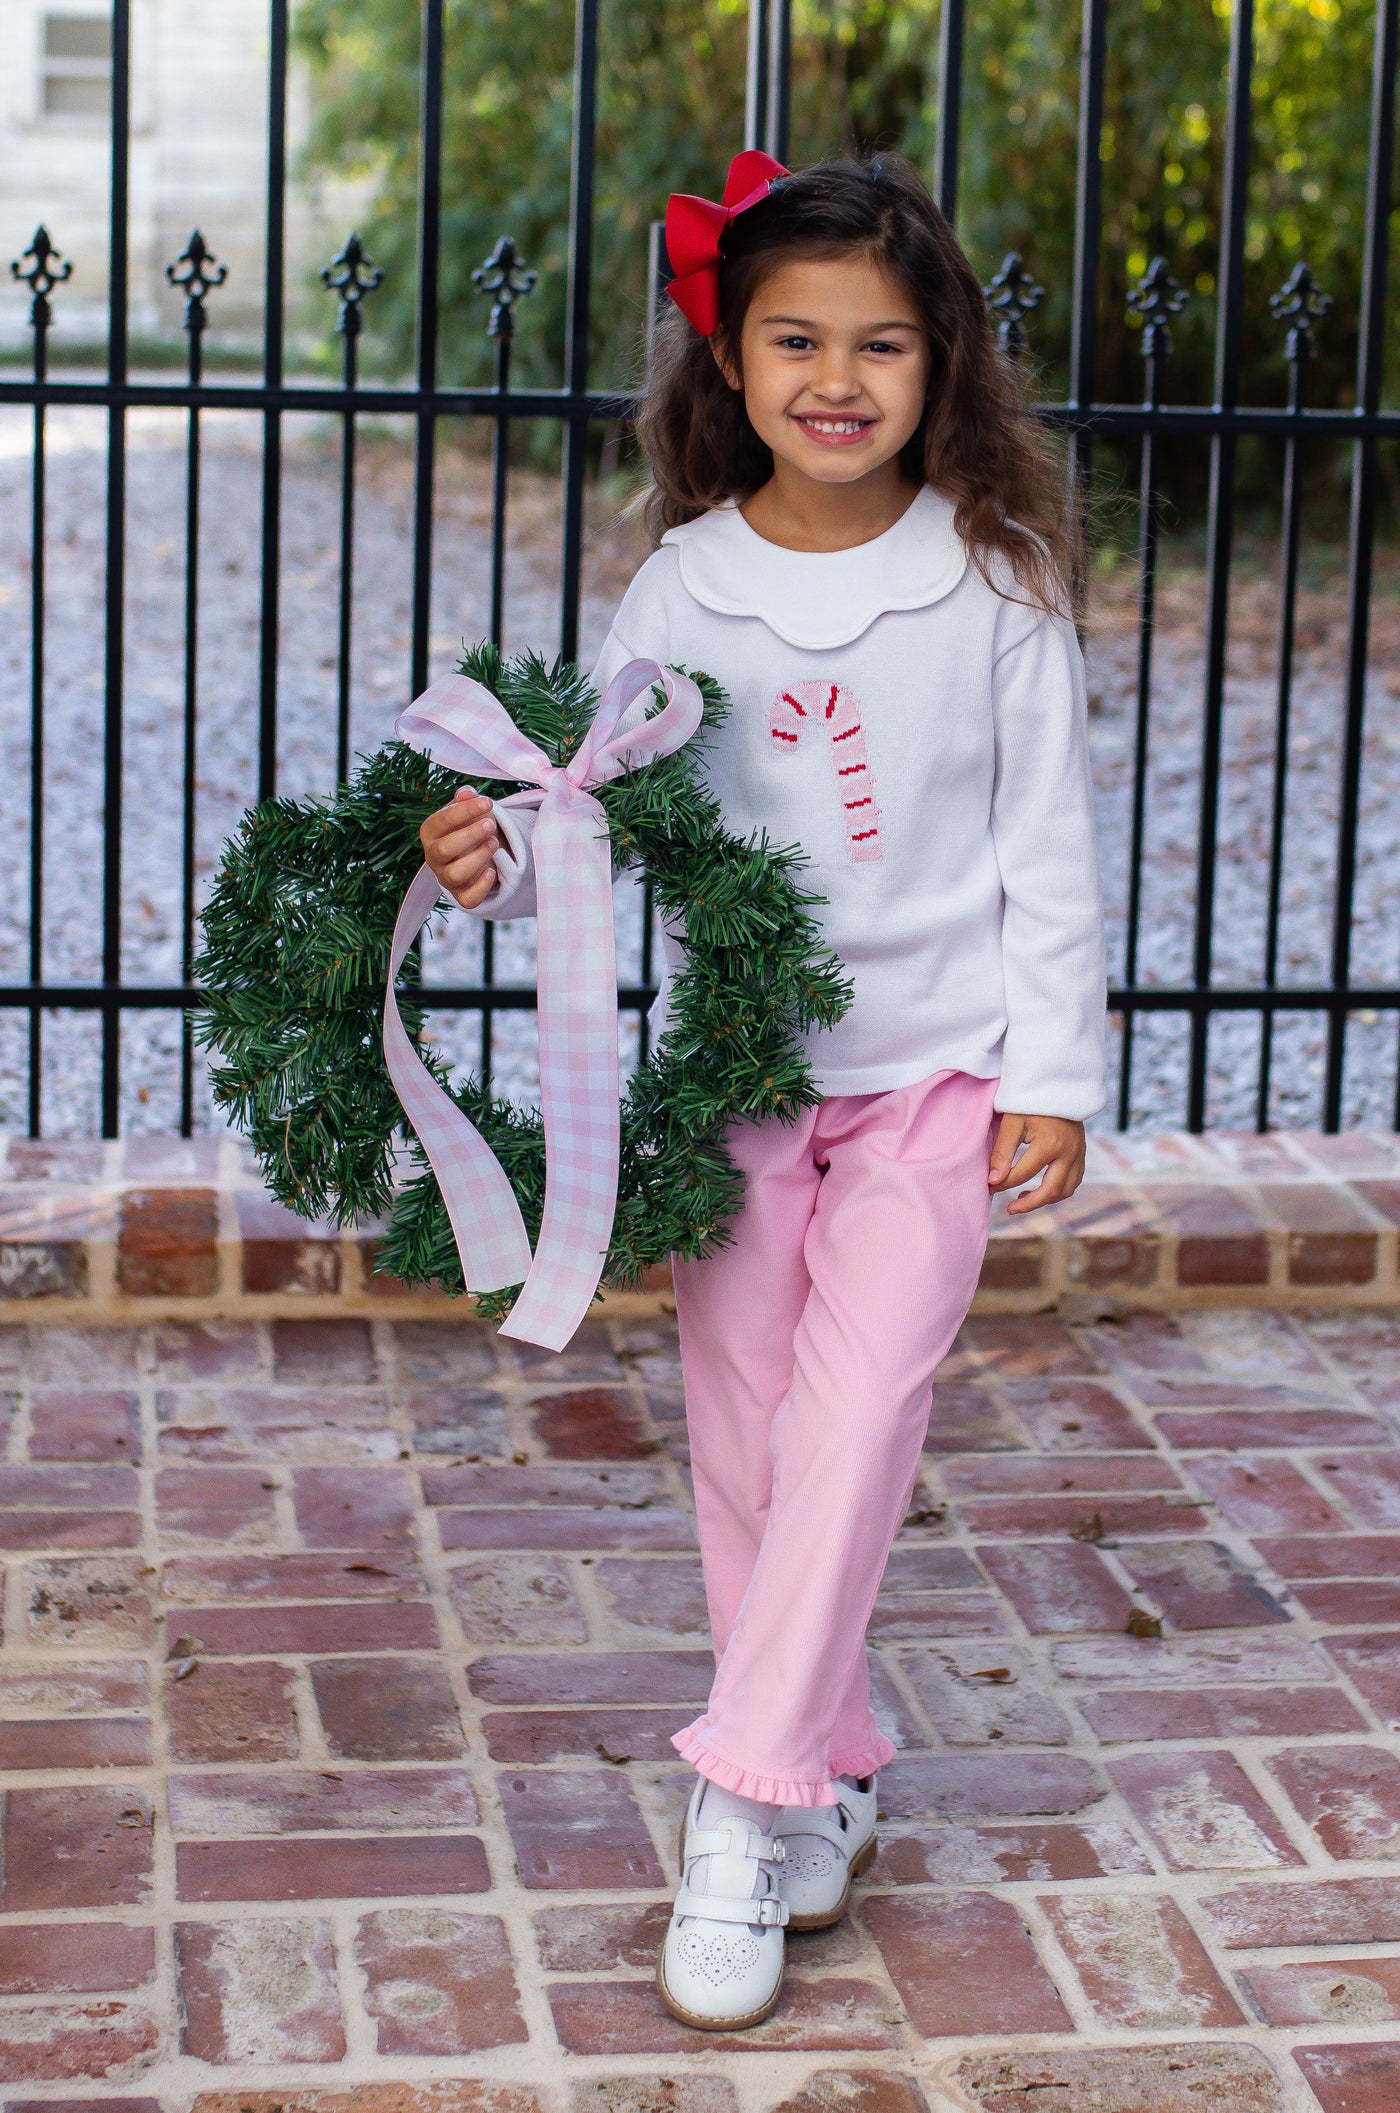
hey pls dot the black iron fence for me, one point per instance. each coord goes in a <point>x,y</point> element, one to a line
<point>1150,426</point>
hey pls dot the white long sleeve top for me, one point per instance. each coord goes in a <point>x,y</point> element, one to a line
<point>923,738</point>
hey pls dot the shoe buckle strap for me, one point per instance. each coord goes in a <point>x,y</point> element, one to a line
<point>719,1841</point>
<point>820,1821</point>
<point>766,1913</point>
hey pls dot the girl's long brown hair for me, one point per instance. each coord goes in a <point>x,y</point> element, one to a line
<point>978,443</point>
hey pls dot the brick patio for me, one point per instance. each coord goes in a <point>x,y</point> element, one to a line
<point>152,1227</point>
<point>340,1659</point>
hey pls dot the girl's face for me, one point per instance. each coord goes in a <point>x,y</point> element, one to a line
<point>835,367</point>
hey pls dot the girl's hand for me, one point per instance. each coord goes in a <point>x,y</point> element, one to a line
<point>459,843</point>
<point>1054,1147</point>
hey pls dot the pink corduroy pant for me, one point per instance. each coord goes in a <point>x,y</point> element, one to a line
<point>809,1347</point>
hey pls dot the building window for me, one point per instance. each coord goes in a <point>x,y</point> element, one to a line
<point>77,75</point>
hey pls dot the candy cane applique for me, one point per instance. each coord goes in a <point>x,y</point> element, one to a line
<point>824,707</point>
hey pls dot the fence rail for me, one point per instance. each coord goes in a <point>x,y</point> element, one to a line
<point>1013,297</point>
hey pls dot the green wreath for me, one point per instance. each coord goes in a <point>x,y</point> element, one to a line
<point>296,948</point>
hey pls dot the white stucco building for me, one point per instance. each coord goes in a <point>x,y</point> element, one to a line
<point>198,157</point>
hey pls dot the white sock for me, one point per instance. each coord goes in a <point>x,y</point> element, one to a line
<point>717,1803</point>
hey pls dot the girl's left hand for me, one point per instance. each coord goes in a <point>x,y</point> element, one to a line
<point>1054,1147</point>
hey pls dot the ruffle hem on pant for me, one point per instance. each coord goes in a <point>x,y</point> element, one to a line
<point>779,1790</point>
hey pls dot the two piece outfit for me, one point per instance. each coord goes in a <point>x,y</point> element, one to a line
<point>923,738</point>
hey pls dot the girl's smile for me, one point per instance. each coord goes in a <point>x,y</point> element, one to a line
<point>832,432</point>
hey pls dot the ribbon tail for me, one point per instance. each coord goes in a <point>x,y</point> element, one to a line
<point>486,1221</point>
<point>577,979</point>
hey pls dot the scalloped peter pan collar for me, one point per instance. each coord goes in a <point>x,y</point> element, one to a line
<point>820,598</point>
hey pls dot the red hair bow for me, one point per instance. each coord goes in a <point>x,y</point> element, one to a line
<point>693,229</point>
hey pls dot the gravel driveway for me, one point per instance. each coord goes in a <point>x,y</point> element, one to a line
<point>229,717</point>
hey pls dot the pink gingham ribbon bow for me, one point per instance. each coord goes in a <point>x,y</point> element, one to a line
<point>459,723</point>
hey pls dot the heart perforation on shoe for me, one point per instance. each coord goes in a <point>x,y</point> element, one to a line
<point>717,1955</point>
<point>805,1866</point>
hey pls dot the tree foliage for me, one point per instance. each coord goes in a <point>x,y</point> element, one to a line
<point>865,74</point>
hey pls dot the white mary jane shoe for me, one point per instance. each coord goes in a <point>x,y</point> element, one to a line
<point>826,1847</point>
<point>721,1966</point>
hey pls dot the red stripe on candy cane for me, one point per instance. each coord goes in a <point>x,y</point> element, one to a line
<point>838,711</point>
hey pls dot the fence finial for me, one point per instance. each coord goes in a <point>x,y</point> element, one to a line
<point>1011,297</point>
<point>196,271</point>
<point>505,278</point>
<point>41,268</point>
<point>351,275</point>
<point>1299,302</point>
<point>1156,297</point>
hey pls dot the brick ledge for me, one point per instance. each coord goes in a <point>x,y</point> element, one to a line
<point>151,1227</point>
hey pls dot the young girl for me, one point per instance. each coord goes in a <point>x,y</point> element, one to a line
<point>861,538</point>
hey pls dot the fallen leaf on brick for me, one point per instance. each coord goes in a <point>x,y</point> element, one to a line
<point>183,1656</point>
<point>368,1569</point>
<point>619,1760</point>
<point>1141,1623</point>
<point>999,1673</point>
<point>1088,1529</point>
